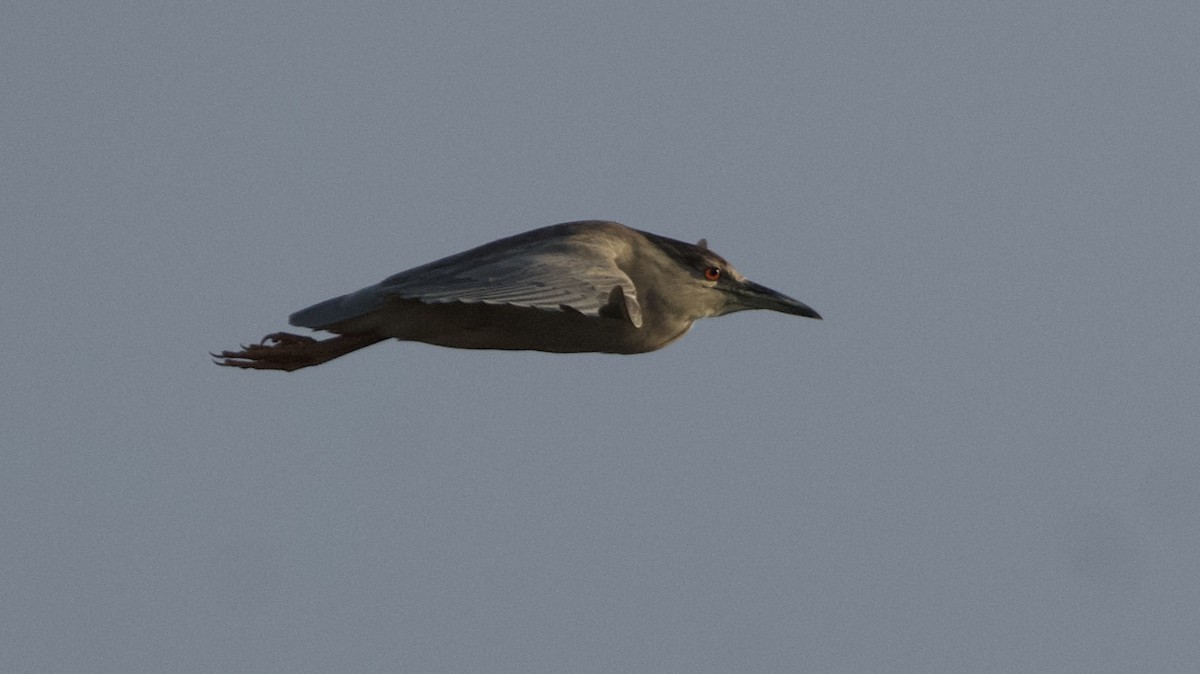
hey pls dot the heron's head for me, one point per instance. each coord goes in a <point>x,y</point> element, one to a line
<point>702,283</point>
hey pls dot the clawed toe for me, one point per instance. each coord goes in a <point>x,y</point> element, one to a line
<point>281,338</point>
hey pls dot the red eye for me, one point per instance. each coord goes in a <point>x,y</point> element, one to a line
<point>712,273</point>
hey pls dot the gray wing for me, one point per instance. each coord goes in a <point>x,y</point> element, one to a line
<point>554,269</point>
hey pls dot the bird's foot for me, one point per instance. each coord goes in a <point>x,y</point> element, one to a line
<point>276,351</point>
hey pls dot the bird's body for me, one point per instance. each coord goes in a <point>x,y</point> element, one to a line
<point>589,286</point>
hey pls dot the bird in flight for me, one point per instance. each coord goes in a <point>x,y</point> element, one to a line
<point>590,286</point>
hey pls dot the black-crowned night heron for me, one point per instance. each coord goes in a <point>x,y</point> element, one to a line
<point>569,288</point>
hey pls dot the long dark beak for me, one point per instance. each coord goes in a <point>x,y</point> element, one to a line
<point>755,296</point>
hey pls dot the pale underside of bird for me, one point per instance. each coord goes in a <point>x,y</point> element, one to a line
<point>590,286</point>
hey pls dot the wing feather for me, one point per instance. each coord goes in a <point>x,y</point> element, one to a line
<point>549,269</point>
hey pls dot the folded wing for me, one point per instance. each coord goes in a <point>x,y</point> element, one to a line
<point>553,269</point>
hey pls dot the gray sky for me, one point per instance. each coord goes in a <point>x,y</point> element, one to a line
<point>983,460</point>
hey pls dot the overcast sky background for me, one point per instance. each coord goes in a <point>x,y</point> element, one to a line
<point>983,460</point>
